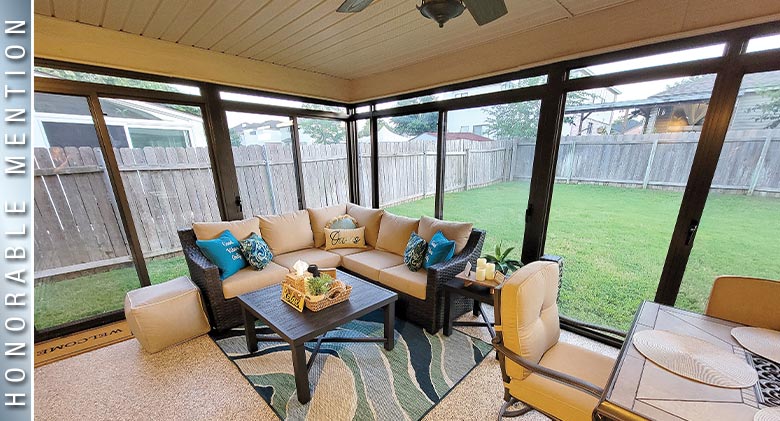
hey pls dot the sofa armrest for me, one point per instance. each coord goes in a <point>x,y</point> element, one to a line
<point>202,272</point>
<point>444,271</point>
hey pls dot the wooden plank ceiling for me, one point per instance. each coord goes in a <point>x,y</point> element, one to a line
<point>309,34</point>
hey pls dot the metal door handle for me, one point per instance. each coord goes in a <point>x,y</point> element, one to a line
<point>691,231</point>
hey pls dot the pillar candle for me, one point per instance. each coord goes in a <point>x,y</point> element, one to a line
<point>490,271</point>
<point>481,274</point>
<point>481,263</point>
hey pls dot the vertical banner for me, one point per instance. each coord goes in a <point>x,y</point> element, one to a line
<point>17,209</point>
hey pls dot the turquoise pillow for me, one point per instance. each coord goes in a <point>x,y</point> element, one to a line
<point>224,252</point>
<point>414,254</point>
<point>256,251</point>
<point>440,249</point>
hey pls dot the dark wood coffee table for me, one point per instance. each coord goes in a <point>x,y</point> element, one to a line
<point>298,328</point>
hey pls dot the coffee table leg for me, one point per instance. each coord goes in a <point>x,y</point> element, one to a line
<point>251,334</point>
<point>477,308</point>
<point>301,373</point>
<point>390,326</point>
<point>447,312</point>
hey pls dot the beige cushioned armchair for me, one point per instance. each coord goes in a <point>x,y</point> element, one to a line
<point>561,380</point>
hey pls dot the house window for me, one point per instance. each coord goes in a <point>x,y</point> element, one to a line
<point>464,129</point>
<point>153,137</point>
<point>480,129</point>
<point>80,134</point>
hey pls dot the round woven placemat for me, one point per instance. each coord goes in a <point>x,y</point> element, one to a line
<point>764,342</point>
<point>768,414</point>
<point>695,359</point>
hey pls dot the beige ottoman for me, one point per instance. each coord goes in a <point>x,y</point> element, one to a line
<point>166,314</point>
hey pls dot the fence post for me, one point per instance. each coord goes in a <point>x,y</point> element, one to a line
<point>570,170</point>
<point>650,159</point>
<point>760,163</point>
<point>268,175</point>
<point>424,177</point>
<point>513,160</point>
<point>466,169</point>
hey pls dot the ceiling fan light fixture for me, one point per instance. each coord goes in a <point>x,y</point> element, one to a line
<point>441,10</point>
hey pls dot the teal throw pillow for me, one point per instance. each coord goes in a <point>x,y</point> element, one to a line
<point>224,252</point>
<point>440,249</point>
<point>256,251</point>
<point>414,254</point>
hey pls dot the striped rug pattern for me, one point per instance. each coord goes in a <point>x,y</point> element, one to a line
<point>359,381</point>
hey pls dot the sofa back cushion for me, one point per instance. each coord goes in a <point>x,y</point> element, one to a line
<point>240,229</point>
<point>287,232</point>
<point>369,218</point>
<point>321,216</point>
<point>394,233</point>
<point>459,232</point>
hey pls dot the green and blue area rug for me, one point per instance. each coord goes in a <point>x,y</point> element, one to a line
<point>361,381</point>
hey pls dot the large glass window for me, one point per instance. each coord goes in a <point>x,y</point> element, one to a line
<point>324,161</point>
<point>364,162</point>
<point>739,229</point>
<point>263,155</point>
<point>460,93</point>
<point>488,168</point>
<point>167,176</point>
<point>266,100</point>
<point>407,163</point>
<point>654,60</point>
<point>115,80</point>
<point>83,265</point>
<point>623,162</point>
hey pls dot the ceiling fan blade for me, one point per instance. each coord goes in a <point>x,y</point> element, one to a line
<point>486,11</point>
<point>353,6</point>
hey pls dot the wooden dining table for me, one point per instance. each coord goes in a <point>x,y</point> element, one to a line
<point>638,389</point>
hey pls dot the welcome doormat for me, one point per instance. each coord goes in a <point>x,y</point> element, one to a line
<point>78,343</point>
<point>361,381</point>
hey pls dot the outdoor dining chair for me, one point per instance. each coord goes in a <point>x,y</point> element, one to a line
<point>749,301</point>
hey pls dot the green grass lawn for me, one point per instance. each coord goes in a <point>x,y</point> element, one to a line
<point>614,241</point>
<point>73,299</point>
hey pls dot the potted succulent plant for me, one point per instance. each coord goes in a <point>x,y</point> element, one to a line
<point>502,261</point>
<point>317,287</point>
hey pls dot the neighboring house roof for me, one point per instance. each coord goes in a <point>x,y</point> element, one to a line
<point>624,126</point>
<point>695,89</point>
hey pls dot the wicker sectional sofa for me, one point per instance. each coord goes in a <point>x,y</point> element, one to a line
<point>300,236</point>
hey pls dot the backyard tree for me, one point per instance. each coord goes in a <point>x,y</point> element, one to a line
<point>415,124</point>
<point>770,109</point>
<point>323,131</point>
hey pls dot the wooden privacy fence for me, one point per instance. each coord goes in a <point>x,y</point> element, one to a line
<point>77,225</point>
<point>749,162</point>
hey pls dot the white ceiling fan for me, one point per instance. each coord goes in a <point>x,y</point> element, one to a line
<point>483,11</point>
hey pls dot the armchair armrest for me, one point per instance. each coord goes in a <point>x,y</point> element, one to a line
<point>551,374</point>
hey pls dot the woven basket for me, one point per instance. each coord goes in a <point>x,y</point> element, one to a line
<point>335,296</point>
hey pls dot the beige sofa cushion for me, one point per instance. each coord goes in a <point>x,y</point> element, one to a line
<point>321,258</point>
<point>248,279</point>
<point>319,217</point>
<point>394,233</point>
<point>459,232</point>
<point>529,313</point>
<point>240,229</point>
<point>400,278</point>
<point>561,401</point>
<point>166,314</point>
<point>347,252</point>
<point>369,263</point>
<point>369,218</point>
<point>287,232</point>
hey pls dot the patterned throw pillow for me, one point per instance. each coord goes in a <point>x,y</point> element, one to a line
<point>224,252</point>
<point>342,222</point>
<point>414,254</point>
<point>345,238</point>
<point>439,250</point>
<point>256,251</point>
